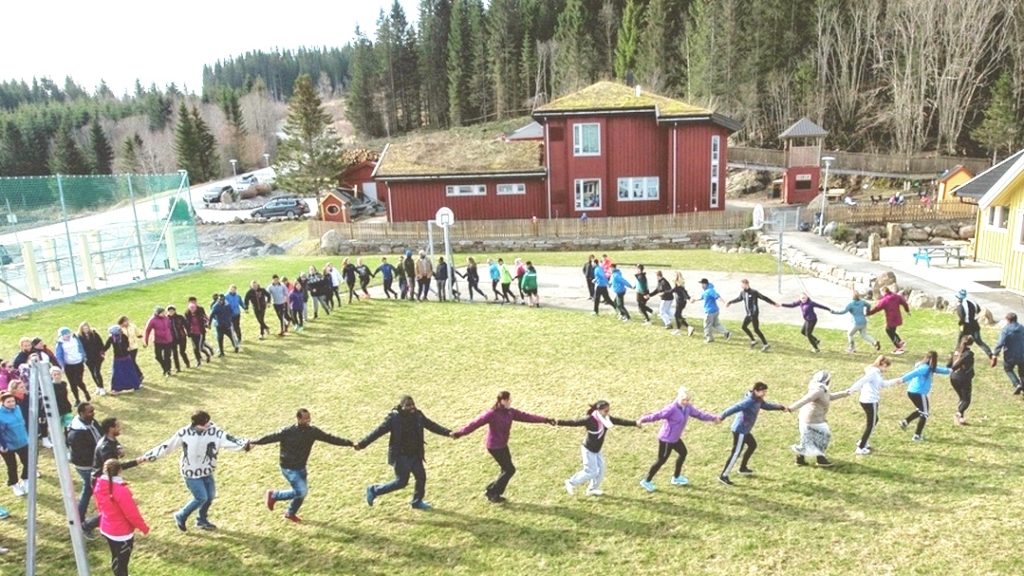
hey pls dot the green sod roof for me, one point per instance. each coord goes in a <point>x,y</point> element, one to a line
<point>455,152</point>
<point>614,96</point>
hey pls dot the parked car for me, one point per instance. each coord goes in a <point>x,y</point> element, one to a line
<point>244,181</point>
<point>359,207</point>
<point>214,193</point>
<point>287,206</point>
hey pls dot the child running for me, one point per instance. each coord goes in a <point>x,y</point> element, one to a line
<point>870,386</point>
<point>857,309</point>
<point>919,386</point>
<point>962,377</point>
<point>597,421</point>
<point>499,426</point>
<point>742,426</point>
<point>807,307</point>
<point>670,438</point>
<point>890,303</point>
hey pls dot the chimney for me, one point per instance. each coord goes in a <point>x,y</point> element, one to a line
<point>637,89</point>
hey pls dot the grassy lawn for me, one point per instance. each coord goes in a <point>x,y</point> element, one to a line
<point>949,505</point>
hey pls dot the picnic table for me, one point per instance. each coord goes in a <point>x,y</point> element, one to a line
<point>948,249</point>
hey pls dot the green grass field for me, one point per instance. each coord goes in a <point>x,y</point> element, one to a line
<point>949,505</point>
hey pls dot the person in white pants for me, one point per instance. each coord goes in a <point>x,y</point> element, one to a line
<point>597,421</point>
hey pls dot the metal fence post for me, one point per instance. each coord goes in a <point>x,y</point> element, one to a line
<point>67,233</point>
<point>138,233</point>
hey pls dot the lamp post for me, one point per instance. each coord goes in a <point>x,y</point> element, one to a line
<point>266,160</point>
<point>828,160</point>
<point>234,164</point>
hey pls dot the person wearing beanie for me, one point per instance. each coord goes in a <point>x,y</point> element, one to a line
<point>160,330</point>
<point>746,411</point>
<point>125,374</point>
<point>815,435</point>
<point>712,324</point>
<point>598,420</point>
<point>967,319</point>
<point>71,357</point>
<point>870,386</point>
<point>670,438</point>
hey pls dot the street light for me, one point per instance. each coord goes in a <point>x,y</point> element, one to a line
<point>828,160</point>
<point>266,160</point>
<point>234,163</point>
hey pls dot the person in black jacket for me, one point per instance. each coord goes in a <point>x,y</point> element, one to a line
<point>588,273</point>
<point>364,273</point>
<point>405,424</point>
<point>179,331</point>
<point>472,277</point>
<point>109,447</point>
<point>296,444</point>
<point>258,299</point>
<point>441,275</point>
<point>409,265</point>
<point>348,272</point>
<point>967,318</point>
<point>93,344</point>
<point>749,296</point>
<point>962,377</point>
<point>682,297</point>
<point>83,434</point>
<point>196,322</point>
<point>597,422</point>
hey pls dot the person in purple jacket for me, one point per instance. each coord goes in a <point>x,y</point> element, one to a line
<point>499,426</point>
<point>807,307</point>
<point>747,411</point>
<point>670,437</point>
<point>160,331</point>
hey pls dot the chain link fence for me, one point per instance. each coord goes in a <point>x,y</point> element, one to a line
<point>62,236</point>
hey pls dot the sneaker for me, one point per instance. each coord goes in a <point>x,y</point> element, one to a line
<point>689,330</point>
<point>371,495</point>
<point>709,340</point>
<point>570,488</point>
<point>676,332</point>
<point>851,350</point>
<point>898,351</point>
<point>4,513</point>
<point>3,550</point>
<point>180,523</point>
<point>18,490</point>
<point>101,392</point>
<point>902,345</point>
<point>270,500</point>
<point>725,480</point>
<point>89,534</point>
<point>206,525</point>
<point>746,471</point>
<point>647,485</point>
<point>495,499</point>
<point>878,346</point>
<point>766,347</point>
<point>903,424</point>
<point>801,461</point>
<point>752,344</point>
<point>421,505</point>
<point>292,517</point>
<point>647,322</point>
<point>47,443</point>
<point>728,335</point>
<point>958,419</point>
<point>815,349</point>
<point>917,438</point>
<point>680,481</point>
<point>824,462</point>
<point>862,451</point>
<point>594,492</point>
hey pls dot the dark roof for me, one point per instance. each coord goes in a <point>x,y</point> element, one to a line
<point>532,131</point>
<point>979,185</point>
<point>804,128</point>
<point>953,171</point>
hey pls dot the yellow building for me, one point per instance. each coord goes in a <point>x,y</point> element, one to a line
<point>952,179</point>
<point>999,238</point>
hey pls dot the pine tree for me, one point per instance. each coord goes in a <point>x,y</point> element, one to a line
<point>67,158</point>
<point>131,150</point>
<point>574,63</point>
<point>102,152</point>
<point>629,39</point>
<point>481,97</point>
<point>435,22</point>
<point>407,68</point>
<point>1000,129</point>
<point>186,145</point>
<point>459,64</point>
<point>504,27</point>
<point>310,156</point>
<point>207,157</point>
<point>13,152</point>
<point>657,50</point>
<point>361,103</point>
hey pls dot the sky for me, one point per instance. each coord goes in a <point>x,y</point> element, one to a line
<point>163,42</point>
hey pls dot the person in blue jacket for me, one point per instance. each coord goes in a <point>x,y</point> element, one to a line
<point>919,385</point>
<point>601,283</point>
<point>619,286</point>
<point>711,297</point>
<point>13,442</point>
<point>742,426</point>
<point>221,314</point>
<point>387,271</point>
<point>858,309</point>
<point>1011,344</point>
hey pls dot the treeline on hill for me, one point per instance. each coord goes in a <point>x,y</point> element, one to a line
<point>278,70</point>
<point>880,75</point>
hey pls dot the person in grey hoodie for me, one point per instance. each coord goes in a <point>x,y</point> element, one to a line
<point>279,297</point>
<point>815,435</point>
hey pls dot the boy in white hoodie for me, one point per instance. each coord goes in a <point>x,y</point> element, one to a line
<point>870,386</point>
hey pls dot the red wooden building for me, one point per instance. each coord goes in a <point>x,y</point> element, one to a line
<point>359,177</point>
<point>607,150</point>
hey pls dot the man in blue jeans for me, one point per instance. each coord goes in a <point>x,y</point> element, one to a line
<point>1011,343</point>
<point>201,442</point>
<point>296,444</point>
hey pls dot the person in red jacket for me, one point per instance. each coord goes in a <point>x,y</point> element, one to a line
<point>890,303</point>
<point>119,516</point>
<point>499,426</point>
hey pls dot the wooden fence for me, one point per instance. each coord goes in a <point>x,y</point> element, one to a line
<point>912,211</point>
<point>659,225</point>
<point>864,163</point>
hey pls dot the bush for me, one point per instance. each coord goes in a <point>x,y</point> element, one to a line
<point>841,233</point>
<point>748,239</point>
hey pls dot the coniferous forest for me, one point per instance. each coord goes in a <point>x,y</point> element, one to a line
<point>894,76</point>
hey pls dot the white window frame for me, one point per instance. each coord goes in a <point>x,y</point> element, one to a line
<point>577,139</point>
<point>996,216</point>
<point>716,155</point>
<point>515,189</point>
<point>578,192</point>
<point>457,190</point>
<point>641,184</point>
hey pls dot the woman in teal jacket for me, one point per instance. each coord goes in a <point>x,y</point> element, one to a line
<point>920,384</point>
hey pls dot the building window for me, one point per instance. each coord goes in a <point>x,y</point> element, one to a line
<point>998,217</point>
<point>1020,229</point>
<point>634,189</point>
<point>586,139</point>
<point>716,142</point>
<point>466,190</point>
<point>588,194</point>
<point>510,189</point>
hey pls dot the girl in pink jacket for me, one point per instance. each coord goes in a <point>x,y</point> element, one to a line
<point>890,303</point>
<point>119,516</point>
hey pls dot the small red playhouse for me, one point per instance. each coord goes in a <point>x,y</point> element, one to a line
<point>801,179</point>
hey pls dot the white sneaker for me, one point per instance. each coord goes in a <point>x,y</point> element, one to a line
<point>570,488</point>
<point>47,443</point>
<point>101,392</point>
<point>18,490</point>
<point>689,330</point>
<point>675,332</point>
<point>594,492</point>
<point>862,451</point>
<point>917,438</point>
